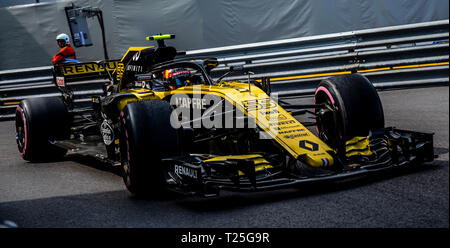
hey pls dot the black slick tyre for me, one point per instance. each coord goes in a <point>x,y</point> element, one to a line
<point>353,108</point>
<point>147,136</point>
<point>37,122</point>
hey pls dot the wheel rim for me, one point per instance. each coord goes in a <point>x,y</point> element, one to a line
<point>125,154</point>
<point>21,132</point>
<point>327,119</point>
<point>20,136</point>
<point>326,125</point>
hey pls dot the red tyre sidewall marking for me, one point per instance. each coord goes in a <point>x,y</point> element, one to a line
<point>328,93</point>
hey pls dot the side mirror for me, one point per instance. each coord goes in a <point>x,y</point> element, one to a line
<point>232,69</point>
<point>265,82</point>
<point>264,85</point>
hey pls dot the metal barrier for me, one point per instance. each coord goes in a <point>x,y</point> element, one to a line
<point>398,56</point>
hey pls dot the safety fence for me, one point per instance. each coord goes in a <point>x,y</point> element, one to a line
<point>399,56</point>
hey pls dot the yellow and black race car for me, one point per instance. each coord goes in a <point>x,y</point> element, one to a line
<point>168,124</point>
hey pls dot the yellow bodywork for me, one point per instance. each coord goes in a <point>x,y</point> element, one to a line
<point>87,68</point>
<point>260,162</point>
<point>269,116</point>
<point>138,95</point>
<point>134,49</point>
<point>358,145</point>
<point>295,138</point>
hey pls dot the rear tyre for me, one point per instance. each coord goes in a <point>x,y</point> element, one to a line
<point>38,121</point>
<point>147,136</point>
<point>353,108</point>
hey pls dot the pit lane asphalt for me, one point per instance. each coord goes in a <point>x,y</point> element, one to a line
<point>83,193</point>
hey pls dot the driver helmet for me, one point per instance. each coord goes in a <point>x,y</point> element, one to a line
<point>177,77</point>
<point>64,37</point>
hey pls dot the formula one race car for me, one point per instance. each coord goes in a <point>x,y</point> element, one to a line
<point>168,124</point>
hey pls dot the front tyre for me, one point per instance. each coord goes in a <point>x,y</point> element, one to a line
<point>147,136</point>
<point>352,108</point>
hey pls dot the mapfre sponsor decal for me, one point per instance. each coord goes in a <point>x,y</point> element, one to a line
<point>187,102</point>
<point>296,135</point>
<point>87,68</point>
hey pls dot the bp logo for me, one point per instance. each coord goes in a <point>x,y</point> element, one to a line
<point>308,145</point>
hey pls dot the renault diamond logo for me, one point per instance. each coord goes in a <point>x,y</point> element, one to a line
<point>308,145</point>
<point>136,56</point>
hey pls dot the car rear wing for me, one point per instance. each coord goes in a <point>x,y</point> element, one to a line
<point>83,81</point>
